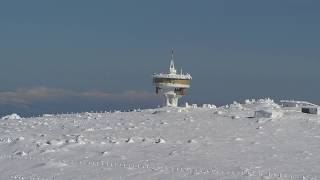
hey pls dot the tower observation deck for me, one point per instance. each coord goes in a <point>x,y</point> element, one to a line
<point>172,85</point>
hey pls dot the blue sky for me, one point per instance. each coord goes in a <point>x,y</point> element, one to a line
<point>234,50</point>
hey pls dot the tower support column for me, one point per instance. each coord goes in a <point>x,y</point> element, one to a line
<point>172,99</point>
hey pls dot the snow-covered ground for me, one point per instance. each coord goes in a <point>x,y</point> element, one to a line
<point>255,140</point>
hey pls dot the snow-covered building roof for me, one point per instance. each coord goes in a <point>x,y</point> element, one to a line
<point>172,76</point>
<point>292,103</point>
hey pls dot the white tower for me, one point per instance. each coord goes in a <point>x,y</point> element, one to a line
<point>171,84</point>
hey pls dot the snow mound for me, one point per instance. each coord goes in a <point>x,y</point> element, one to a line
<point>12,116</point>
<point>130,140</point>
<point>267,103</point>
<point>20,153</point>
<point>158,112</point>
<point>192,141</point>
<point>56,142</point>
<point>236,105</point>
<point>160,141</point>
<point>268,114</point>
<point>262,103</point>
<point>209,106</point>
<point>248,101</point>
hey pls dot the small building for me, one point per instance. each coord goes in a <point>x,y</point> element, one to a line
<point>310,109</point>
<point>292,103</point>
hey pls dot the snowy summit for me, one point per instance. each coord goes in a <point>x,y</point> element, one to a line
<point>254,140</point>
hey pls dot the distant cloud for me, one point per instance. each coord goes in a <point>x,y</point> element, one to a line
<point>26,95</point>
<point>39,99</point>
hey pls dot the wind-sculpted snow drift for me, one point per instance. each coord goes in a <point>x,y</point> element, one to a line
<point>254,140</point>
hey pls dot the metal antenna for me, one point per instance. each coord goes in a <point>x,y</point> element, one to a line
<point>172,54</point>
<point>172,67</point>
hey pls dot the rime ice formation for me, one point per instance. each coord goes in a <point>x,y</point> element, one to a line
<point>12,116</point>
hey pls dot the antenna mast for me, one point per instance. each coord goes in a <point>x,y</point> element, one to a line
<point>172,69</point>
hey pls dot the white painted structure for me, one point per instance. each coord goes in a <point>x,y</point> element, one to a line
<point>171,84</point>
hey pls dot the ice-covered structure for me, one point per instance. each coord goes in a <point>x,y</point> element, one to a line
<point>12,116</point>
<point>172,85</point>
